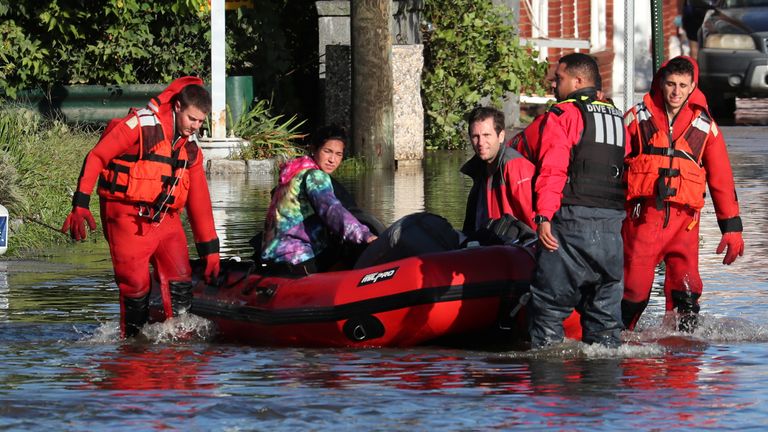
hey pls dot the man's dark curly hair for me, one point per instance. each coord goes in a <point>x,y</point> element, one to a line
<point>678,66</point>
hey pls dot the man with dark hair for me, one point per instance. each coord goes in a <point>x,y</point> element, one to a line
<point>501,177</point>
<point>148,168</point>
<point>196,96</point>
<point>579,210</point>
<point>528,140</point>
<point>677,149</point>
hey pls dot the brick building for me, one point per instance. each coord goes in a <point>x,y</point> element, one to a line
<point>559,27</point>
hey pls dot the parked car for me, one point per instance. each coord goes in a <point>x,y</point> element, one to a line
<point>733,53</point>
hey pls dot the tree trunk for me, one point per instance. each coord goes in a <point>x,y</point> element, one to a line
<point>372,113</point>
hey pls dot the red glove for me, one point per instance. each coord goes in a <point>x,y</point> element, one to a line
<point>212,267</point>
<point>75,223</point>
<point>735,245</point>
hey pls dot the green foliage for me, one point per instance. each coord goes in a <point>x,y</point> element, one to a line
<point>39,165</point>
<point>472,53</point>
<point>351,166</point>
<point>101,42</point>
<point>47,43</point>
<point>268,135</point>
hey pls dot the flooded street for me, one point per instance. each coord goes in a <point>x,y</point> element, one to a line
<point>62,366</point>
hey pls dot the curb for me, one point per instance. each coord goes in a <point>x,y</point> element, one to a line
<point>247,167</point>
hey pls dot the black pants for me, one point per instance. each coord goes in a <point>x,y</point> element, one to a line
<point>585,272</point>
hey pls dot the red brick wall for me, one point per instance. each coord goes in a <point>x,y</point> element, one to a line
<point>561,20</point>
<point>669,10</point>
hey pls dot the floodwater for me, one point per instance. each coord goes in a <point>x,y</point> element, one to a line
<point>62,366</point>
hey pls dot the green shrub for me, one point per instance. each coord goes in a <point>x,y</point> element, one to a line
<point>46,43</point>
<point>268,136</point>
<point>101,42</point>
<point>39,164</point>
<point>471,53</point>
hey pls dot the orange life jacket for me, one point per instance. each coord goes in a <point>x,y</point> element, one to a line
<point>157,177</point>
<point>670,170</point>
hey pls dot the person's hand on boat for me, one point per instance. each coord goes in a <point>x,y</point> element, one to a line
<point>75,223</point>
<point>546,238</point>
<point>734,244</point>
<point>372,238</point>
<point>212,267</point>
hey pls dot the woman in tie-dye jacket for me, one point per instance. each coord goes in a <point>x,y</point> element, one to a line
<point>304,213</point>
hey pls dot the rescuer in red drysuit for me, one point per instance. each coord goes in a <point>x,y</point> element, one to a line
<point>666,189</point>
<point>579,210</point>
<point>148,167</point>
<point>501,177</point>
<point>526,142</point>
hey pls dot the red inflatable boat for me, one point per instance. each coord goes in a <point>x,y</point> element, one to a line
<point>407,302</point>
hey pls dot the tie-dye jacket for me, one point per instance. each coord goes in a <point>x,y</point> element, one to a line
<point>302,212</point>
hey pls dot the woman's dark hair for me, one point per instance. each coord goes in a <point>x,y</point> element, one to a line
<point>326,133</point>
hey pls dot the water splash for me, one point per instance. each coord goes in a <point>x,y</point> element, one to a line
<point>711,328</point>
<point>106,332</point>
<point>573,349</point>
<point>184,328</point>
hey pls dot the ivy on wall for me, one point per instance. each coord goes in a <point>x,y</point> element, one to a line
<point>471,53</point>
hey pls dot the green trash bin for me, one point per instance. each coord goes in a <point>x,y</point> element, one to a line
<point>239,97</point>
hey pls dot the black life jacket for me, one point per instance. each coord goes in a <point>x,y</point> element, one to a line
<point>596,169</point>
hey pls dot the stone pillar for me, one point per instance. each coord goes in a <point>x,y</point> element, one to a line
<point>338,85</point>
<point>333,27</point>
<point>407,63</point>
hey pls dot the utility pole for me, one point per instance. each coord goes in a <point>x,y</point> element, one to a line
<point>657,33</point>
<point>372,112</point>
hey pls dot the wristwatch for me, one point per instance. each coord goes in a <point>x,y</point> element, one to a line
<point>540,219</point>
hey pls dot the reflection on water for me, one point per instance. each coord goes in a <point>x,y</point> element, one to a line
<point>240,202</point>
<point>135,368</point>
<point>63,367</point>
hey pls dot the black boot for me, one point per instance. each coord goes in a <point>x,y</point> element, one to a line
<point>630,313</point>
<point>687,305</point>
<point>181,296</point>
<point>136,314</point>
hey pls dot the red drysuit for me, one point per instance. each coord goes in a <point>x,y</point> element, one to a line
<point>138,155</point>
<point>666,186</point>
